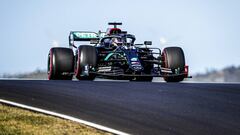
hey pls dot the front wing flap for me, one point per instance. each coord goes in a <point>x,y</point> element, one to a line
<point>139,75</point>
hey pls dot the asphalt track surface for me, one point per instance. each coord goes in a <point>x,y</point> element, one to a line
<point>136,107</point>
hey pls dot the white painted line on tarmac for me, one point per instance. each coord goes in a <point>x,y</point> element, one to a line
<point>64,117</point>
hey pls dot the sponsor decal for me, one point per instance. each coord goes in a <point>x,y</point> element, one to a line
<point>85,35</point>
<point>134,59</point>
<point>135,63</point>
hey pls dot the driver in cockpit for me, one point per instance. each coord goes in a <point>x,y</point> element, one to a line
<point>116,42</point>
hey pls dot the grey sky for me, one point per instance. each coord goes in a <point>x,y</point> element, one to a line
<point>207,30</point>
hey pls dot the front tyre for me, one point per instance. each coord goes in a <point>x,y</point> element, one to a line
<point>173,58</point>
<point>86,57</point>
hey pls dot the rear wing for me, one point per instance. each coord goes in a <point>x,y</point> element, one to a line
<point>84,36</point>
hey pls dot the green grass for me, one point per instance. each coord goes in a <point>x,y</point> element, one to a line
<point>16,121</point>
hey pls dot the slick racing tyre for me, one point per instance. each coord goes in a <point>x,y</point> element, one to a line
<point>60,63</point>
<point>173,58</point>
<point>86,57</point>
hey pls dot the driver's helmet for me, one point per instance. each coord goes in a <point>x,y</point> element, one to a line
<point>129,40</point>
<point>116,41</point>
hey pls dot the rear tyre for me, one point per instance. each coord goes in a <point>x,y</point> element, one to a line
<point>60,63</point>
<point>173,58</point>
<point>86,55</point>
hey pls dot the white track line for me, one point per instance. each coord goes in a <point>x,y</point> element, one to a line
<point>64,117</point>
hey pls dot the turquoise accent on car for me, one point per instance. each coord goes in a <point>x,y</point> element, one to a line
<point>108,56</point>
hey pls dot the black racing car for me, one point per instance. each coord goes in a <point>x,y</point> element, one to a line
<point>113,54</point>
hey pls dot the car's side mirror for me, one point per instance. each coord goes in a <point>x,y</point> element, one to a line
<point>147,42</point>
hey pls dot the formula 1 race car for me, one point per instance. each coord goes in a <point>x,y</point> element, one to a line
<point>113,54</point>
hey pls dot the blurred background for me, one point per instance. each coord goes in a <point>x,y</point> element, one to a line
<point>208,31</point>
